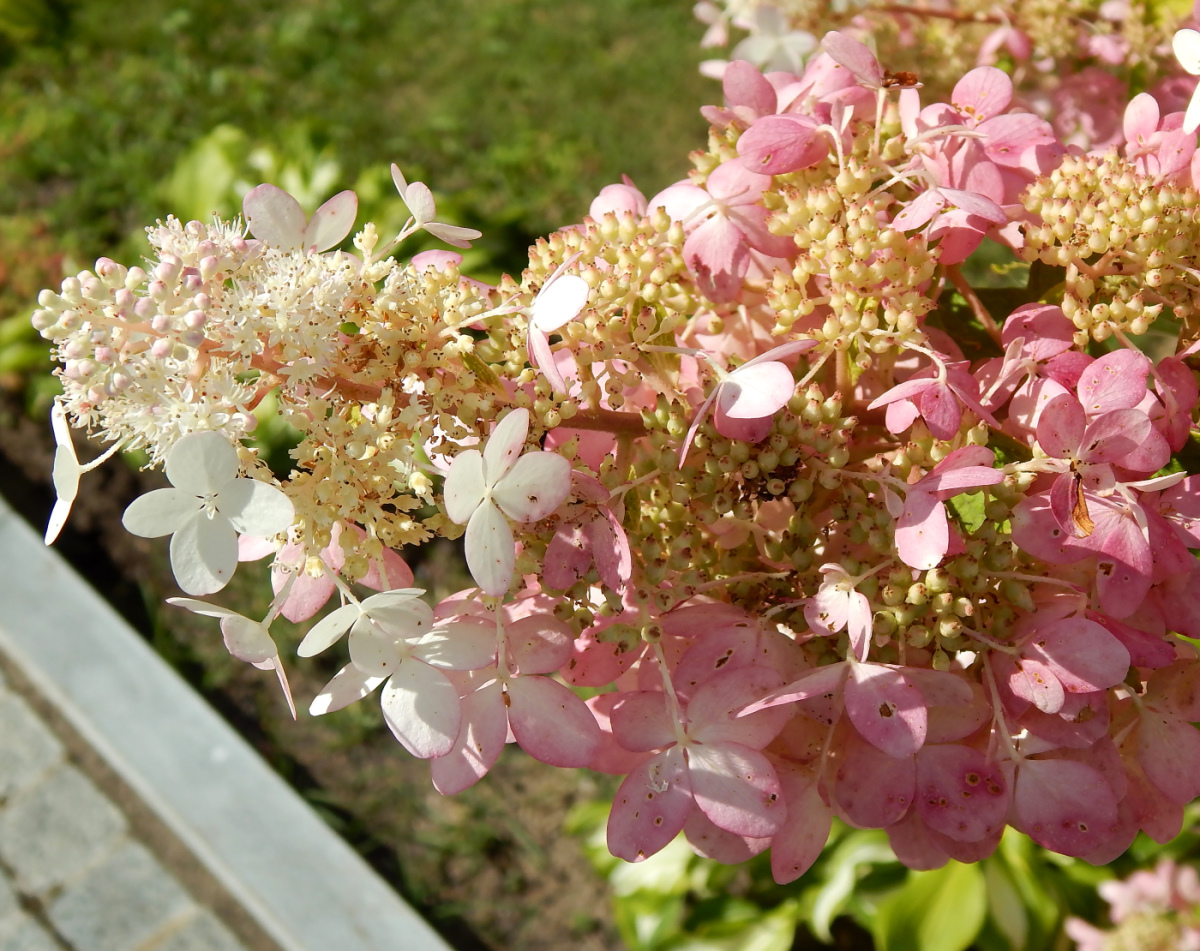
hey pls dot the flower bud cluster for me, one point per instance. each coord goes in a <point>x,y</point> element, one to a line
<point>1128,243</point>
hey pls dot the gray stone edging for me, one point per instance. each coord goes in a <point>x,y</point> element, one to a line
<point>302,884</point>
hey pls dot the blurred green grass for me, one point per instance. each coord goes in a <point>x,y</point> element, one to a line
<point>515,111</point>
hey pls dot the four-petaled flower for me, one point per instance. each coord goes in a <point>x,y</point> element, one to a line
<point>419,200</point>
<point>206,510</point>
<point>483,488</point>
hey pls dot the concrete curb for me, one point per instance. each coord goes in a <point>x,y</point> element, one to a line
<point>301,883</point>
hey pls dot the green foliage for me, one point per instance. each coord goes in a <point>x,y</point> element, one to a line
<point>1015,900</point>
<point>939,910</point>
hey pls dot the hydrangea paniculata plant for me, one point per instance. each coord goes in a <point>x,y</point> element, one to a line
<point>842,527</point>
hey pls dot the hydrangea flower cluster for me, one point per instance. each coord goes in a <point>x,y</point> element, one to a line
<point>829,524</point>
<point>1155,910</point>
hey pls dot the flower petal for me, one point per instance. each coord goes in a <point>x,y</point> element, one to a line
<point>505,445</point>
<point>559,302</point>
<point>421,709</point>
<point>204,554</point>
<point>490,550</point>
<point>465,486</point>
<point>201,463</point>
<point>255,508</point>
<point>331,222</point>
<point>328,631</point>
<point>458,644</point>
<point>160,512</point>
<point>538,484</point>
<point>347,686</point>
<point>274,216</point>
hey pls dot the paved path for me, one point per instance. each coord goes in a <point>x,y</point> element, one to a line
<point>133,818</point>
<point>72,875</point>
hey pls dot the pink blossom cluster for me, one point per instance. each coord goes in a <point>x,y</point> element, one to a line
<point>827,522</point>
<point>1152,910</point>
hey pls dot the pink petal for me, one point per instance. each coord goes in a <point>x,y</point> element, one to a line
<point>539,643</point>
<point>650,807</point>
<point>1061,426</point>
<point>1116,380</point>
<point>716,254</point>
<point>744,85</point>
<point>871,788</point>
<point>550,723</point>
<point>479,744</point>
<point>331,222</point>
<point>710,842</point>
<point>802,837</point>
<point>816,683</point>
<point>850,53</point>
<point>1169,751</point>
<point>1064,805</point>
<point>941,411</point>
<point>983,92</point>
<point>737,788</point>
<point>610,548</point>
<point>886,708</point>
<point>568,556</point>
<point>922,533</point>
<point>1083,655</point>
<point>775,144</point>
<point>1034,681</point>
<point>641,721</point>
<point>960,793</point>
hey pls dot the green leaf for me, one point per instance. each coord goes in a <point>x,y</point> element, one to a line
<point>969,508</point>
<point>1005,909</point>
<point>941,910</point>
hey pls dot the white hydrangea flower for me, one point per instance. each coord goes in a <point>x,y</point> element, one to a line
<point>206,510</point>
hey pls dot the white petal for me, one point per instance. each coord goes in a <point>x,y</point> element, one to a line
<point>201,463</point>
<point>1191,119</point>
<point>204,554</point>
<point>248,640</point>
<point>453,234</point>
<point>410,618</point>
<point>328,631</point>
<point>491,553</point>
<point>538,484</point>
<point>374,652</point>
<point>464,487</point>
<point>421,708</point>
<point>560,302</point>
<point>274,216</point>
<point>58,518</point>
<point>398,179</point>
<point>505,444</point>
<point>419,200</point>
<point>461,644</point>
<point>203,607</point>
<point>160,512</point>
<point>348,685</point>
<point>1186,44</point>
<point>331,222</point>
<point>255,508</point>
